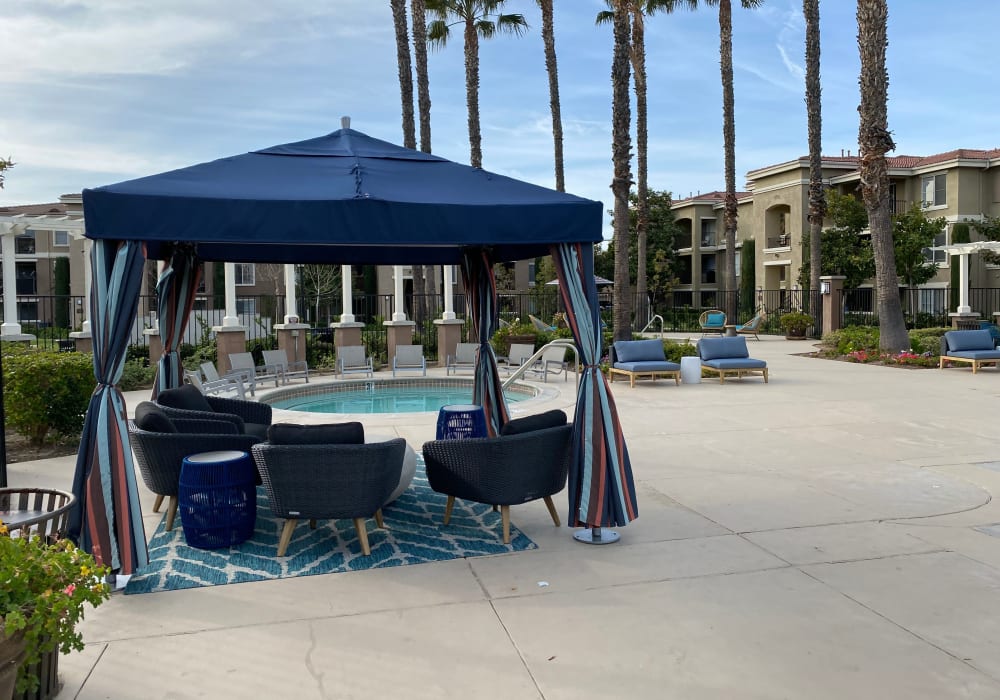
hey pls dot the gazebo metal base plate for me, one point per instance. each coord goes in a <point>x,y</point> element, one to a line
<point>603,535</point>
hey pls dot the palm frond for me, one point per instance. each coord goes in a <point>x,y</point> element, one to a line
<point>485,28</point>
<point>604,17</point>
<point>438,33</point>
<point>512,24</point>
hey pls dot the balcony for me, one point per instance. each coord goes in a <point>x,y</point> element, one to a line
<point>683,240</point>
<point>709,240</point>
<point>783,240</point>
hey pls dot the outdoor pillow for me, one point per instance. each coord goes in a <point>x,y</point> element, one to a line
<point>150,417</point>
<point>718,348</point>
<point>639,351</point>
<point>969,340</point>
<point>539,421</point>
<point>716,319</point>
<point>186,397</point>
<point>330,434</point>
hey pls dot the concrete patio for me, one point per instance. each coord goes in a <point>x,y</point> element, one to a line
<point>830,534</point>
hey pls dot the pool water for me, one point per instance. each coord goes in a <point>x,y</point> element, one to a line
<point>385,399</point>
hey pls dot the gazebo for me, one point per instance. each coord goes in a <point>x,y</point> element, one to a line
<point>342,198</point>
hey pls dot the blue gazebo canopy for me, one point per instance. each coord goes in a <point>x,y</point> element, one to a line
<point>342,198</point>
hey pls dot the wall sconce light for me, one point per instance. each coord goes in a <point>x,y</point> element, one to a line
<point>824,287</point>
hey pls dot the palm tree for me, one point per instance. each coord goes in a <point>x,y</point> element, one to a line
<point>480,19</point>
<point>621,183</point>
<point>814,117</point>
<point>729,138</point>
<point>418,9</point>
<point>874,141</point>
<point>639,10</point>
<point>549,40</point>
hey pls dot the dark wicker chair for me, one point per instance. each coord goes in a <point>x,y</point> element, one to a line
<point>501,471</point>
<point>329,481</point>
<point>159,455</point>
<point>249,417</point>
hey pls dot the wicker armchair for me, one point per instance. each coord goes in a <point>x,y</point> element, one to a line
<point>501,471</point>
<point>159,454</point>
<point>329,481</point>
<point>249,417</point>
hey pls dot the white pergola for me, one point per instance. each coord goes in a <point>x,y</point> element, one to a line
<point>963,251</point>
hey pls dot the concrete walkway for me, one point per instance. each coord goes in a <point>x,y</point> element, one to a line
<point>828,535</point>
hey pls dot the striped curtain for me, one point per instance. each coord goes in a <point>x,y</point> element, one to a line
<point>107,520</point>
<point>481,298</point>
<point>601,489</point>
<point>175,292</point>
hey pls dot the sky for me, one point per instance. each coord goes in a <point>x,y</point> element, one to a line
<point>100,91</point>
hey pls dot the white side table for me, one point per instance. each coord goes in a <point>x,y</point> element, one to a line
<point>691,369</point>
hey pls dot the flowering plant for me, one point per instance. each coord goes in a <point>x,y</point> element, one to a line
<point>43,588</point>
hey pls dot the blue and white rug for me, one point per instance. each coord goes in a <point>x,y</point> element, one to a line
<point>414,534</point>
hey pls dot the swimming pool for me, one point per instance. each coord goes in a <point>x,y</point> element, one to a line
<point>384,396</point>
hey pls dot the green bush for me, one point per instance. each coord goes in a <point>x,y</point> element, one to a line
<point>675,350</point>
<point>927,340</point>
<point>866,339</point>
<point>136,375</point>
<point>47,391</point>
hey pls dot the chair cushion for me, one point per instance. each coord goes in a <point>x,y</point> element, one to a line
<point>639,351</point>
<point>716,348</point>
<point>976,354</point>
<point>969,340</point>
<point>331,434</point>
<point>648,366</point>
<point>186,397</point>
<point>258,430</point>
<point>539,421</point>
<point>150,417</point>
<point>715,319</point>
<point>736,363</point>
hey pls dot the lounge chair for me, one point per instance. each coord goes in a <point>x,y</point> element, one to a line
<point>552,361</point>
<point>518,355</point>
<point>712,321</point>
<point>212,376</point>
<point>409,358</point>
<point>277,361</point>
<point>973,346</point>
<point>243,363</point>
<point>227,386</point>
<point>540,325</point>
<point>351,359</point>
<point>751,327</point>
<point>464,358</point>
<point>641,358</point>
<point>729,356</point>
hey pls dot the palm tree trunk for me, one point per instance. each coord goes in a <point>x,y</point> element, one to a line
<point>418,10</point>
<point>472,92</point>
<point>875,140</point>
<point>549,40</point>
<point>405,70</point>
<point>641,139</point>
<point>621,147</point>
<point>729,144</point>
<point>817,198</point>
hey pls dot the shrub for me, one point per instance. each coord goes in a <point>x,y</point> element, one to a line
<point>47,391</point>
<point>136,375</point>
<point>851,339</point>
<point>927,341</point>
<point>675,350</point>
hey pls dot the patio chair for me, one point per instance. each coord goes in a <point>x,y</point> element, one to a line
<point>552,361</point>
<point>729,356</point>
<point>221,387</point>
<point>519,354</point>
<point>409,358</point>
<point>540,325</point>
<point>464,358</point>
<point>243,363</point>
<point>277,361</point>
<point>249,417</point>
<point>211,375</point>
<point>351,359</point>
<point>317,480</point>
<point>161,442</point>
<point>751,327</point>
<point>527,461</point>
<point>712,321</point>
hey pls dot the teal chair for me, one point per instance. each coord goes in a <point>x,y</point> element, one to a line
<point>712,321</point>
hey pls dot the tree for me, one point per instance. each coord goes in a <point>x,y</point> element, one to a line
<point>481,19</point>
<point>5,164</point>
<point>845,251</point>
<point>912,234</point>
<point>748,266</point>
<point>729,136</point>
<point>318,281</point>
<point>814,118</point>
<point>552,68</point>
<point>874,141</point>
<point>621,183</point>
<point>418,9</point>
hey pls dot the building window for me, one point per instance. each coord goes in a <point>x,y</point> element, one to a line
<point>934,192</point>
<point>739,259</point>
<point>26,278</point>
<point>707,233</point>
<point>244,274</point>
<point>25,243</point>
<point>938,256</point>
<point>60,238</point>
<point>246,306</point>
<point>932,301</point>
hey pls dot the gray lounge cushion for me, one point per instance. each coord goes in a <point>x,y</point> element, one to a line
<point>186,397</point>
<point>969,340</point>
<point>151,418</point>
<point>639,351</point>
<point>331,434</point>
<point>539,421</point>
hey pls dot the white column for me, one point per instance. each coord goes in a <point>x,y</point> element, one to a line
<point>347,297</point>
<point>10,325</point>
<point>88,284</point>
<point>231,319</point>
<point>449,311</point>
<point>963,284</point>
<point>399,314</point>
<point>291,303</point>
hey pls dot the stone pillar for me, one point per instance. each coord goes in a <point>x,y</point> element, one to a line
<point>154,343</point>
<point>346,334</point>
<point>83,342</point>
<point>398,333</point>
<point>292,339</point>
<point>832,294</point>
<point>228,339</point>
<point>449,332</point>
<point>231,319</point>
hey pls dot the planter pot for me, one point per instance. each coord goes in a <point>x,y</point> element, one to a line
<point>791,335</point>
<point>11,655</point>
<point>526,339</point>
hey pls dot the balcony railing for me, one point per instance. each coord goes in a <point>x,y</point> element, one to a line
<point>783,240</point>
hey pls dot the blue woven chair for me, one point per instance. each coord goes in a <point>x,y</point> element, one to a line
<point>712,321</point>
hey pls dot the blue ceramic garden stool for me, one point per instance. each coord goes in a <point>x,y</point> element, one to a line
<point>460,421</point>
<point>217,498</point>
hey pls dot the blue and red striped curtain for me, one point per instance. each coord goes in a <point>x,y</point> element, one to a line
<point>107,520</point>
<point>601,488</point>
<point>481,297</point>
<point>175,294</point>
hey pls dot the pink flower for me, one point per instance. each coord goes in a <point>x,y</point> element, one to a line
<point>69,589</point>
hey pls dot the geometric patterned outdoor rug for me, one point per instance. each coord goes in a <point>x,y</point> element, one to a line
<point>414,534</point>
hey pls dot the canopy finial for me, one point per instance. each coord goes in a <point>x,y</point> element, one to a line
<point>345,122</point>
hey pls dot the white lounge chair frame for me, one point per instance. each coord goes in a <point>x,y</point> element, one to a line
<point>409,358</point>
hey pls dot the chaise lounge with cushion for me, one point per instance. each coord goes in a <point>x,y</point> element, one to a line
<point>729,356</point>
<point>974,347</point>
<point>641,358</point>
